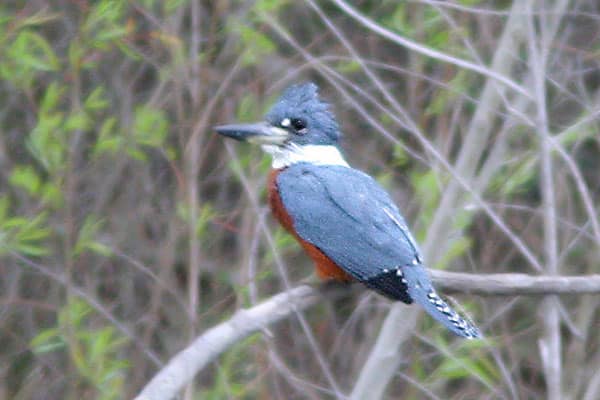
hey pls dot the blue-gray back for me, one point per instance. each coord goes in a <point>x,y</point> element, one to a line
<point>349,216</point>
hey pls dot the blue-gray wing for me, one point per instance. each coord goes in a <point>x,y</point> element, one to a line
<point>353,221</point>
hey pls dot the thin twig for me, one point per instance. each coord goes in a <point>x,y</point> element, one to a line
<point>427,51</point>
<point>514,284</point>
<point>550,343</point>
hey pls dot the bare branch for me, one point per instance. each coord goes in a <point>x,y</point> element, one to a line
<point>207,347</point>
<point>514,284</point>
<point>372,380</point>
<point>182,368</point>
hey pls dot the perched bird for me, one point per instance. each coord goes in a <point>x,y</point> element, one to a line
<point>342,217</point>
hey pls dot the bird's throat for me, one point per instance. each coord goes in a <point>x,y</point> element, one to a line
<point>284,156</point>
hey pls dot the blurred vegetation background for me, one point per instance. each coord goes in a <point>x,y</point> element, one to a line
<point>127,227</point>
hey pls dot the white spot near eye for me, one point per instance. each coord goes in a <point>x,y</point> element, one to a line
<point>286,122</point>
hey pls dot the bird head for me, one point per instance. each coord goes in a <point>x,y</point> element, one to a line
<point>298,117</point>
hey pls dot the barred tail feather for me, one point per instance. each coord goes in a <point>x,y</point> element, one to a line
<point>442,312</point>
<point>423,293</point>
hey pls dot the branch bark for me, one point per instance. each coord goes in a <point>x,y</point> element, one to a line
<point>182,368</point>
<point>514,284</point>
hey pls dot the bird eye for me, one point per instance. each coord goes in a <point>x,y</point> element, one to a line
<point>299,125</point>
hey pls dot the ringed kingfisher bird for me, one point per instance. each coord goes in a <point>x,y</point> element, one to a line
<point>344,220</point>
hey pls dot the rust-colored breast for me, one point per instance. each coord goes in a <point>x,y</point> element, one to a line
<point>325,267</point>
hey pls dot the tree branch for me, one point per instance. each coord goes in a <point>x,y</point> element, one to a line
<point>514,284</point>
<point>187,363</point>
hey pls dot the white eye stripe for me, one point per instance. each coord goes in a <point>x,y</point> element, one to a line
<point>286,122</point>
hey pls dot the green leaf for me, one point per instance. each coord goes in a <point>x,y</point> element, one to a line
<point>170,6</point>
<point>52,195</point>
<point>47,341</point>
<point>105,25</point>
<point>32,231</point>
<point>73,314</point>
<point>136,154</point>
<point>464,367</point>
<point>24,235</point>
<point>100,343</point>
<point>77,121</point>
<point>25,177</point>
<point>25,58</point>
<point>207,213</point>
<point>99,248</point>
<point>86,237</point>
<point>14,222</point>
<point>39,18</point>
<point>269,6</point>
<point>51,98</point>
<point>347,67</point>
<point>4,205</point>
<point>47,141</point>
<point>150,126</point>
<point>401,158</point>
<point>110,35</point>
<point>108,138</point>
<point>94,350</point>
<point>31,250</point>
<point>33,51</point>
<point>96,100</point>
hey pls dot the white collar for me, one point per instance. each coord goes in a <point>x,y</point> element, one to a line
<point>284,156</point>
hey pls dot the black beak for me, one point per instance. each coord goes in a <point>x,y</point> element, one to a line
<point>260,133</point>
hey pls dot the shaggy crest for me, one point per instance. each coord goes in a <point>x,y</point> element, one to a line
<point>302,101</point>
